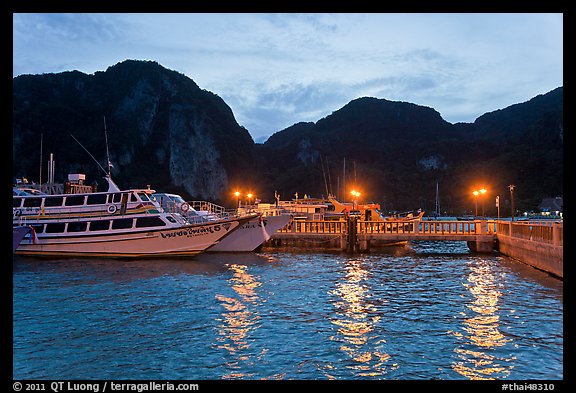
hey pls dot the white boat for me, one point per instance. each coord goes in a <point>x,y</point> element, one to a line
<point>114,223</point>
<point>248,237</point>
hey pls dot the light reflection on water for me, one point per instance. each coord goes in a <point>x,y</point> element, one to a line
<point>428,311</point>
<point>476,356</point>
<point>356,318</point>
<point>239,319</point>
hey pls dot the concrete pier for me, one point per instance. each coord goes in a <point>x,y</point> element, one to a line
<point>539,244</point>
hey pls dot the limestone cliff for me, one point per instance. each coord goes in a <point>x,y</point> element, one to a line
<point>162,129</point>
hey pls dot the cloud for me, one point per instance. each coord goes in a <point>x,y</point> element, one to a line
<point>278,69</point>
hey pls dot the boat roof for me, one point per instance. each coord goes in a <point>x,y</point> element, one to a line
<point>26,191</point>
<point>167,194</point>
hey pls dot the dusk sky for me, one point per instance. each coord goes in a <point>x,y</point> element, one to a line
<point>275,70</point>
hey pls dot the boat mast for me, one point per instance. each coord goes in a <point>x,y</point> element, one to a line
<point>324,173</point>
<point>329,179</point>
<point>41,138</point>
<point>437,207</point>
<point>344,181</point>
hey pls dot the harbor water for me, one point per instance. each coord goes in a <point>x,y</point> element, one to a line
<point>428,310</point>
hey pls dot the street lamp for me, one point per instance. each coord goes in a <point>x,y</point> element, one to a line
<point>482,192</point>
<point>511,187</point>
<point>476,202</point>
<point>355,194</point>
<point>249,195</point>
<point>477,193</point>
<point>237,193</point>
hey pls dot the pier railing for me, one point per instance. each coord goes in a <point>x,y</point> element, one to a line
<point>319,227</point>
<point>436,227</point>
<point>549,232</point>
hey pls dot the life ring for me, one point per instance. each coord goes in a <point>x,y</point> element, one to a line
<point>185,207</point>
<point>112,209</point>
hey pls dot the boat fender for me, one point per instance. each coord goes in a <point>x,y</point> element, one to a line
<point>112,209</point>
<point>185,207</point>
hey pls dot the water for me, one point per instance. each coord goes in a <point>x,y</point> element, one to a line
<point>426,311</point>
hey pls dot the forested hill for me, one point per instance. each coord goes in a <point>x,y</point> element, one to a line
<point>396,152</point>
<point>162,129</point>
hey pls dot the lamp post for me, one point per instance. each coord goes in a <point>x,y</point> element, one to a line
<point>476,193</point>
<point>237,193</point>
<point>482,192</point>
<point>249,195</point>
<point>511,187</point>
<point>355,194</point>
<point>476,202</point>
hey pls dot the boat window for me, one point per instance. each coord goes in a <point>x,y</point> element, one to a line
<point>75,200</point>
<point>143,196</point>
<point>178,200</point>
<point>79,226</point>
<point>38,228</point>
<point>53,201</point>
<point>123,223</point>
<point>116,198</point>
<point>32,202</point>
<point>133,198</point>
<point>171,219</point>
<point>149,222</point>
<point>55,227</point>
<point>101,225</point>
<point>16,202</point>
<point>96,199</point>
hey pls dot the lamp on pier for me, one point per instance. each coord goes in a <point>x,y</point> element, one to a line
<point>355,195</point>
<point>480,193</point>
<point>237,194</point>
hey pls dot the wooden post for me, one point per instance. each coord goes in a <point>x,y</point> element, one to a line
<point>352,234</point>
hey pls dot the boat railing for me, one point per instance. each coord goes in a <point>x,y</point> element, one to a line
<point>83,213</point>
<point>206,206</point>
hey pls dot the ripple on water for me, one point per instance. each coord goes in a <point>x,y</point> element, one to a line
<point>427,311</point>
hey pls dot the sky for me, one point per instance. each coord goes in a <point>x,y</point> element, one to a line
<point>278,69</point>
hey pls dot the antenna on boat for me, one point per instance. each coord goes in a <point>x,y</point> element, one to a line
<point>107,152</point>
<point>95,160</point>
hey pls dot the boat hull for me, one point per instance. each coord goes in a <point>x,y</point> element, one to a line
<point>251,235</point>
<point>18,234</point>
<point>183,241</point>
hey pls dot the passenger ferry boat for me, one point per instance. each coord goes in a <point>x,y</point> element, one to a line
<point>248,237</point>
<point>114,223</point>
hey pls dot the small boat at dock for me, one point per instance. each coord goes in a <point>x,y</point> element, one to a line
<point>114,223</point>
<point>248,237</point>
